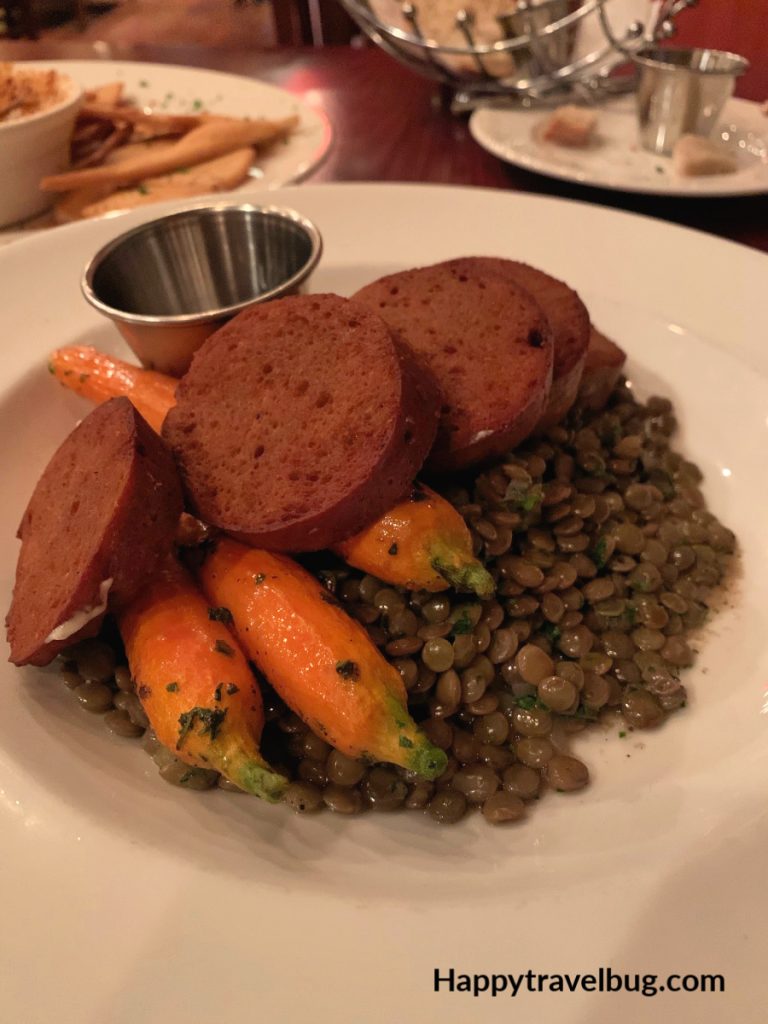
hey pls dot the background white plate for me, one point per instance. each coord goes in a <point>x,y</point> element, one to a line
<point>125,900</point>
<point>182,90</point>
<point>617,161</point>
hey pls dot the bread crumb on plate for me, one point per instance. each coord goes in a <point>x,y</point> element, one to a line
<point>695,156</point>
<point>570,126</point>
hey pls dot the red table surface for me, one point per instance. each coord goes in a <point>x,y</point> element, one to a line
<point>391,126</point>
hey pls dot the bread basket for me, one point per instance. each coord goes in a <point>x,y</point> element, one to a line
<point>530,49</point>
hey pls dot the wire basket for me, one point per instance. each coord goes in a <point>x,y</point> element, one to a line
<point>530,49</point>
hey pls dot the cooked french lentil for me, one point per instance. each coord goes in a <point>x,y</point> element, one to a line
<point>604,560</point>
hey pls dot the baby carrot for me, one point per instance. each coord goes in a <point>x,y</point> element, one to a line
<point>194,682</point>
<point>320,661</point>
<point>98,377</point>
<point>421,543</point>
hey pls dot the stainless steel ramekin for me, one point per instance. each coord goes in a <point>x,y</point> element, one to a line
<point>169,284</point>
<point>682,91</point>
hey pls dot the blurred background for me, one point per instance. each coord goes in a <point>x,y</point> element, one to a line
<point>740,25</point>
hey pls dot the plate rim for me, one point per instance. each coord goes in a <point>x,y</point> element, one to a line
<point>534,166</point>
<point>122,931</point>
<point>319,156</point>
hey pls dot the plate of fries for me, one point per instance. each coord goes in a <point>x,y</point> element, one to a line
<point>147,133</point>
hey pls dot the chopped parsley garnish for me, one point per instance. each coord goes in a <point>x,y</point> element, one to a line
<point>197,105</point>
<point>405,742</point>
<point>222,647</point>
<point>210,720</point>
<point>51,369</point>
<point>463,624</point>
<point>600,553</point>
<point>348,669</point>
<point>417,494</point>
<point>622,734</point>
<point>551,632</point>
<point>392,549</point>
<point>631,614</point>
<point>142,190</point>
<point>527,703</point>
<point>232,689</point>
<point>524,498</point>
<point>220,615</point>
<point>258,579</point>
<point>217,692</point>
<point>172,687</point>
<point>143,84</point>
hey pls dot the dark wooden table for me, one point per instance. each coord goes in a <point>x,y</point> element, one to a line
<point>390,125</point>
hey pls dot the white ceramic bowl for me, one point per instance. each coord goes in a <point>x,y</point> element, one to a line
<point>32,147</point>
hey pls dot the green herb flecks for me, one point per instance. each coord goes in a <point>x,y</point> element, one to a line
<point>220,615</point>
<point>405,742</point>
<point>600,553</point>
<point>392,549</point>
<point>551,632</point>
<point>142,190</point>
<point>209,719</point>
<point>462,624</point>
<point>348,669</point>
<point>524,498</point>
<point>172,687</point>
<point>259,578</point>
<point>222,647</point>
<point>527,703</point>
<point>232,689</point>
<point>217,692</point>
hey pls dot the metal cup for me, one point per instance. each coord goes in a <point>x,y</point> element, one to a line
<point>169,284</point>
<point>682,91</point>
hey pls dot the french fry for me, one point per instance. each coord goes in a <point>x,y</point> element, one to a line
<point>97,155</point>
<point>108,94</point>
<point>214,138</point>
<point>217,175</point>
<point>172,123</point>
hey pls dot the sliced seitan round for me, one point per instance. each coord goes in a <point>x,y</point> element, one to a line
<point>488,345</point>
<point>299,422</point>
<point>102,515</point>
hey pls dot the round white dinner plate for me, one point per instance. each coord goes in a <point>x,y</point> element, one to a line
<point>127,901</point>
<point>172,89</point>
<point>616,159</point>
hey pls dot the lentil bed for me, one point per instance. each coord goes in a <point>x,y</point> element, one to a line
<point>605,556</point>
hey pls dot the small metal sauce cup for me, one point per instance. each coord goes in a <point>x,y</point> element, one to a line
<point>169,284</point>
<point>682,91</point>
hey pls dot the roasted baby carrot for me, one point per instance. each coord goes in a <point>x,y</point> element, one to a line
<point>423,544</point>
<point>320,661</point>
<point>98,377</point>
<point>194,682</point>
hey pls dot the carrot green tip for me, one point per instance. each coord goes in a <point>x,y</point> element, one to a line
<point>428,761</point>
<point>260,781</point>
<point>469,576</point>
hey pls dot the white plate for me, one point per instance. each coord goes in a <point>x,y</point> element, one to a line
<point>617,161</point>
<point>125,900</point>
<point>182,90</point>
